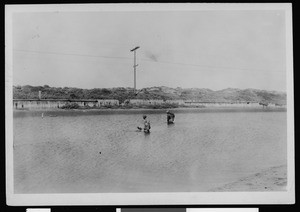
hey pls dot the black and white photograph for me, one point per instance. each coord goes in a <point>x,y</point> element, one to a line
<point>143,104</point>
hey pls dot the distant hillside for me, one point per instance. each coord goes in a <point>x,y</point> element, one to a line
<point>162,92</point>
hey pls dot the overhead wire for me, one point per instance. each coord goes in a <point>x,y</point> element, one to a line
<point>71,54</point>
<point>142,59</point>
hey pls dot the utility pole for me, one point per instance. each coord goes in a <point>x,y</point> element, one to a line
<point>134,66</point>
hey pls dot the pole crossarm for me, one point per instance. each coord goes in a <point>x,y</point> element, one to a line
<point>134,49</point>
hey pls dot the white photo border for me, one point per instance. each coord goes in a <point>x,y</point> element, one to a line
<point>180,198</point>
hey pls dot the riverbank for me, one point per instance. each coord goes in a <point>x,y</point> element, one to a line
<point>33,104</point>
<point>158,107</point>
<point>52,112</point>
<point>272,179</point>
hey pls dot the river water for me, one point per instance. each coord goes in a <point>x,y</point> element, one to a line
<point>102,151</point>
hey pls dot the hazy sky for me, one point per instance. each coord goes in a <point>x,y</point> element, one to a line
<point>204,49</point>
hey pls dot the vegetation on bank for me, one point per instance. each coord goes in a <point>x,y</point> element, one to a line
<point>160,93</point>
<point>47,92</point>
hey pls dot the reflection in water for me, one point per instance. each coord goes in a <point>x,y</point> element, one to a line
<point>147,135</point>
<point>201,151</point>
<point>171,124</point>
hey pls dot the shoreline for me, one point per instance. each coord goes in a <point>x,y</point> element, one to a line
<point>157,109</point>
<point>53,112</point>
<point>271,179</point>
<point>98,111</point>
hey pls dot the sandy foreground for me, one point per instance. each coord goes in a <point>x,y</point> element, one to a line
<point>272,179</point>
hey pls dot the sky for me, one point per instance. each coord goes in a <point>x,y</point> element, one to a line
<point>214,49</point>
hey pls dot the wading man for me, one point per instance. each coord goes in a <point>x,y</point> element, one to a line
<point>170,117</point>
<point>147,126</point>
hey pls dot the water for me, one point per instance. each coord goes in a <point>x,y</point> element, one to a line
<point>101,151</point>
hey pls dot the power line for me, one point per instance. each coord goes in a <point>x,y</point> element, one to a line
<point>71,54</point>
<point>143,59</point>
<point>204,66</point>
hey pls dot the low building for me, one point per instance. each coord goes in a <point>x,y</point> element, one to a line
<point>144,101</point>
<point>31,104</point>
<point>107,102</point>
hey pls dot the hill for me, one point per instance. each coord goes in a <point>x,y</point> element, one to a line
<point>162,92</point>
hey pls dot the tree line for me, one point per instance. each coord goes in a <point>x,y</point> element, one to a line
<point>47,92</point>
<point>160,93</point>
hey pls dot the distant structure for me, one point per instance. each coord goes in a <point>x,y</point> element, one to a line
<point>32,104</point>
<point>40,94</point>
<point>264,104</point>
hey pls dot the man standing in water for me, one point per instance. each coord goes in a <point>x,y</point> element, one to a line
<point>170,117</point>
<point>147,126</point>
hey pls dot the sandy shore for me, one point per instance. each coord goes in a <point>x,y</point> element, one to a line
<point>272,179</point>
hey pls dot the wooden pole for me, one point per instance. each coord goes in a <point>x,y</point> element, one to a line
<point>134,68</point>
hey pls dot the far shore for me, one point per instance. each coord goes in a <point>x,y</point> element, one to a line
<point>156,109</point>
<point>55,112</point>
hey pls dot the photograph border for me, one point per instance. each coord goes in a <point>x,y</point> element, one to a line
<point>162,198</point>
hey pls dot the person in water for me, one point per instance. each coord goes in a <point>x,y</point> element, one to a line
<point>170,117</point>
<point>147,126</point>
